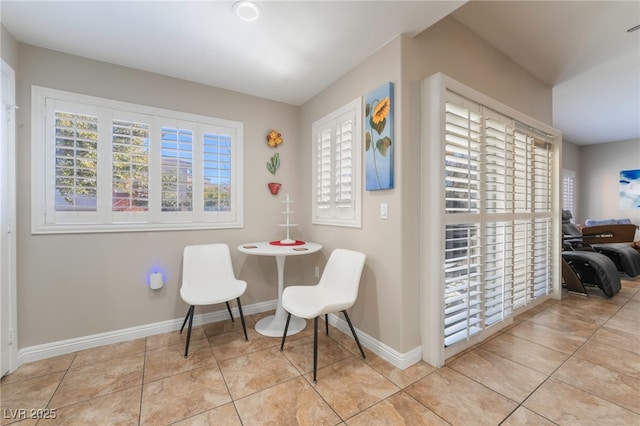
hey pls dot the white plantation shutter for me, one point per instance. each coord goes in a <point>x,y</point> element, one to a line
<point>541,175</point>
<point>72,178</point>
<point>521,262</point>
<point>497,211</point>
<point>542,260</point>
<point>344,165</point>
<point>498,155</point>
<point>130,160</point>
<point>100,165</point>
<point>177,169</point>
<point>521,173</point>
<point>463,283</point>
<point>569,192</point>
<point>218,171</point>
<point>323,172</point>
<point>542,207</point>
<point>336,167</point>
<point>76,161</point>
<point>462,269</point>
<point>462,156</point>
<point>498,272</point>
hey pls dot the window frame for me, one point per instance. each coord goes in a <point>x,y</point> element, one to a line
<point>331,215</point>
<point>434,221</point>
<point>45,219</point>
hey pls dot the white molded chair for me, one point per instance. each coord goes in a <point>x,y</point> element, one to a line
<point>207,279</point>
<point>336,291</point>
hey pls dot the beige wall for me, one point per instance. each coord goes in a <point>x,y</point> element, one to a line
<point>8,47</point>
<point>597,170</point>
<point>378,311</point>
<point>81,284</point>
<point>598,180</point>
<point>387,306</point>
<point>571,157</point>
<point>449,47</point>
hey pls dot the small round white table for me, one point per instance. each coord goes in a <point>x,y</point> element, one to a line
<point>273,325</point>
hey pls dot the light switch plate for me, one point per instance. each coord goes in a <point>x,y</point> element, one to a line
<point>384,211</point>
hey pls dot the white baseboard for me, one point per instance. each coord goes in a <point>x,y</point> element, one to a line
<point>63,347</point>
<point>399,360</point>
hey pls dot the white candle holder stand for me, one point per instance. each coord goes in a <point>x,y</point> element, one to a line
<point>288,212</point>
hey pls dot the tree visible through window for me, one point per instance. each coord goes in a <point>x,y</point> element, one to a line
<point>76,161</point>
<point>217,172</point>
<point>130,166</point>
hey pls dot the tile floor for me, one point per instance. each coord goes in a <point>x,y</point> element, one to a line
<point>573,362</point>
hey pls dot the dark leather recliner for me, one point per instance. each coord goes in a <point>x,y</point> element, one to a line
<point>591,268</point>
<point>625,258</point>
<point>584,266</point>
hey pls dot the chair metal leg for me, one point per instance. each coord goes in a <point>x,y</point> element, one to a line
<point>230,314</point>
<point>315,348</point>
<point>286,328</point>
<point>244,327</point>
<point>191,312</point>
<point>185,319</point>
<point>326,323</point>
<point>353,331</point>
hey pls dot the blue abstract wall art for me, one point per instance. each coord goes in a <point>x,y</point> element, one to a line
<point>629,189</point>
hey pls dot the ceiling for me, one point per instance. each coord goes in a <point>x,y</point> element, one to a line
<point>291,53</point>
<point>297,48</point>
<point>581,49</point>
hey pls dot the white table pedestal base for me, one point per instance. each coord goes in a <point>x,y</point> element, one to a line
<point>273,326</point>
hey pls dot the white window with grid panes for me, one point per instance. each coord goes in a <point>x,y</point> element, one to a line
<point>336,167</point>
<point>489,228</point>
<point>103,166</point>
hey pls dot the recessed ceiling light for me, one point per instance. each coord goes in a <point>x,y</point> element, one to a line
<point>246,10</point>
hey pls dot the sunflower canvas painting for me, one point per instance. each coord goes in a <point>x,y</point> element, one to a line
<point>379,142</point>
